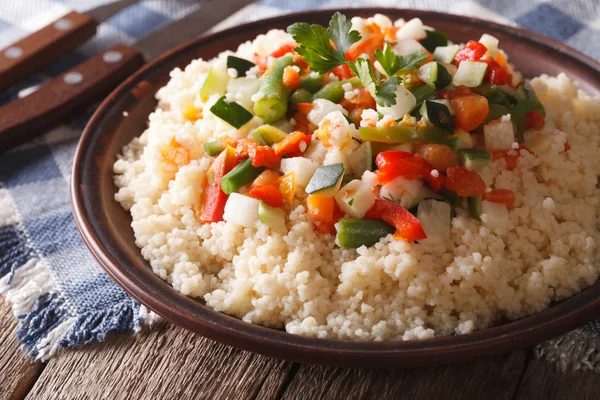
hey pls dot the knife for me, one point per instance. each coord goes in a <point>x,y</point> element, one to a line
<point>81,86</point>
<point>52,41</point>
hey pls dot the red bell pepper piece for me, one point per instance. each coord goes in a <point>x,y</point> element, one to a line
<point>261,156</point>
<point>510,156</point>
<point>504,196</point>
<point>283,50</point>
<point>394,163</point>
<point>495,73</point>
<point>464,182</point>
<point>270,194</point>
<point>407,226</point>
<point>534,120</point>
<point>343,72</point>
<point>215,198</point>
<point>472,51</point>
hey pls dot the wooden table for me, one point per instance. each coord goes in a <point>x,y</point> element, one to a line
<point>171,363</point>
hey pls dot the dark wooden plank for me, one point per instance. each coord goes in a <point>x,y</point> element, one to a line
<point>17,372</point>
<point>165,363</point>
<point>494,378</point>
<point>543,380</point>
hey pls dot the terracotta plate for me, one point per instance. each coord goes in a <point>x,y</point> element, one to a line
<point>105,226</point>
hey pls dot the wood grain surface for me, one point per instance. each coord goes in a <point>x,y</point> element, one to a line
<point>170,363</point>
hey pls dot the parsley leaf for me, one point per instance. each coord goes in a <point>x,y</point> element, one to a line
<point>391,63</point>
<point>341,33</point>
<point>315,42</point>
<point>384,93</point>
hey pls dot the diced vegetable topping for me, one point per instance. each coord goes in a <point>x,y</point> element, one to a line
<point>231,112</point>
<point>360,128</point>
<point>355,232</point>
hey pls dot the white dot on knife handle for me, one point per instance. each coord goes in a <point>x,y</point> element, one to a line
<point>13,52</point>
<point>73,78</point>
<point>63,24</point>
<point>112,56</point>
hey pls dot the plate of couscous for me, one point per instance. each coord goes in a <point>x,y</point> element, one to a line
<point>364,187</point>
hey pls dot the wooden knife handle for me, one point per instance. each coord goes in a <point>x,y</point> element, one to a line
<point>43,46</point>
<point>31,116</point>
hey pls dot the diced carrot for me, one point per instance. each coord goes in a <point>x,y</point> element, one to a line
<point>270,194</point>
<point>191,113</point>
<point>501,60</point>
<point>291,143</point>
<point>291,78</point>
<point>287,187</point>
<point>305,108</point>
<point>261,156</point>
<point>343,72</point>
<point>471,111</point>
<point>321,211</point>
<point>366,46</point>
<point>510,156</point>
<point>283,50</point>
<point>175,153</point>
<point>267,177</point>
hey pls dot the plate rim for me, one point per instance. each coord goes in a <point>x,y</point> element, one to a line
<point>221,327</point>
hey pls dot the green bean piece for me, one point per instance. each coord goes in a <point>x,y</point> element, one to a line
<point>274,102</point>
<point>334,91</point>
<point>356,232</point>
<point>213,148</point>
<point>242,174</point>
<point>301,96</point>
<point>311,82</point>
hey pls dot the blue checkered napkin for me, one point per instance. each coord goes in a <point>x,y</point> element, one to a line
<point>60,294</point>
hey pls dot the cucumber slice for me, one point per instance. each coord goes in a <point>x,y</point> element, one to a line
<point>438,114</point>
<point>361,159</point>
<point>271,216</point>
<point>474,159</point>
<point>215,83</point>
<point>434,74</point>
<point>470,73</point>
<point>446,54</point>
<point>326,180</point>
<point>355,232</point>
<point>491,44</point>
<point>268,135</point>
<point>434,40</point>
<point>475,206</point>
<point>239,64</point>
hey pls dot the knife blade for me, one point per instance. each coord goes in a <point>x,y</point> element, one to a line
<point>52,41</point>
<point>74,90</point>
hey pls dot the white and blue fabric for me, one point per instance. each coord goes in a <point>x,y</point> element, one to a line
<point>59,293</point>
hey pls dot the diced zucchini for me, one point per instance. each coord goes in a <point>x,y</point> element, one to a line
<point>470,73</point>
<point>361,159</point>
<point>303,169</point>
<point>231,112</point>
<point>354,232</point>
<point>434,74</point>
<point>491,44</point>
<point>214,148</point>
<point>239,64</point>
<point>474,159</point>
<point>326,180</point>
<point>215,83</point>
<point>438,114</point>
<point>241,210</point>
<point>475,206</point>
<point>499,134</point>
<point>271,216</point>
<point>435,217</point>
<point>495,215</point>
<point>355,198</point>
<point>461,140</point>
<point>268,135</point>
<point>434,40</point>
<point>446,54</point>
